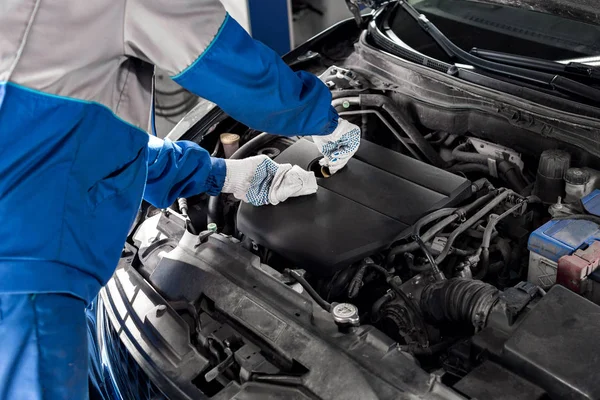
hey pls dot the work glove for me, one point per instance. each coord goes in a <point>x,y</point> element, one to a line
<point>339,146</point>
<point>259,181</point>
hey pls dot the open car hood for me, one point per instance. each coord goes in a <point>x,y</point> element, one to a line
<point>581,10</point>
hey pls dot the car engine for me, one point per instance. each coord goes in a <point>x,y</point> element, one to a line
<point>455,256</point>
<point>355,213</point>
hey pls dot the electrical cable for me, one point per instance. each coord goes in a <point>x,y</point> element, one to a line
<point>433,266</point>
<point>357,282</point>
<point>309,289</point>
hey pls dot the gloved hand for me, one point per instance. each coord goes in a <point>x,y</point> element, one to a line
<point>339,146</point>
<point>259,180</point>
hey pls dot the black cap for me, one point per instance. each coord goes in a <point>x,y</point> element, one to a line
<point>577,176</point>
<point>554,163</point>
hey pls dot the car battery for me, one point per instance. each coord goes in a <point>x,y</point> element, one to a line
<point>558,238</point>
<point>574,270</point>
<point>591,202</point>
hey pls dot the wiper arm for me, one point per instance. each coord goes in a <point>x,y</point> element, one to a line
<point>574,69</point>
<point>355,7</point>
<point>552,81</point>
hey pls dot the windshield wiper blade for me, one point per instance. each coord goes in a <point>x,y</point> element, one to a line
<point>551,81</point>
<point>576,70</point>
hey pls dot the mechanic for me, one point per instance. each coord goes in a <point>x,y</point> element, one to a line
<point>76,87</point>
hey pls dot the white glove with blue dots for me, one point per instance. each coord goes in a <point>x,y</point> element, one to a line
<point>339,146</point>
<point>259,181</point>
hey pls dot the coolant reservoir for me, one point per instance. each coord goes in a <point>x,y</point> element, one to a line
<point>576,184</point>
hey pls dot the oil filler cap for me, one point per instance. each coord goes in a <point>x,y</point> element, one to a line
<point>345,314</point>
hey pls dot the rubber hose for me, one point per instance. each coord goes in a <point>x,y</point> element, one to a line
<point>470,167</point>
<point>459,300</point>
<point>339,102</point>
<point>431,232</point>
<point>460,154</point>
<point>472,221</point>
<point>432,264</point>
<point>512,175</point>
<point>416,229</point>
<point>484,264</point>
<point>434,216</point>
<point>487,233</point>
<point>508,170</point>
<point>463,253</point>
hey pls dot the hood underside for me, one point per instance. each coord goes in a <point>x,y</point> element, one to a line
<point>587,11</point>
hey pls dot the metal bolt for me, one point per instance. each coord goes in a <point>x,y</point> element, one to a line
<point>212,227</point>
<point>346,104</point>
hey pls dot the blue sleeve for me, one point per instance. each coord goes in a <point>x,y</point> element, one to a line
<point>251,83</point>
<point>180,169</point>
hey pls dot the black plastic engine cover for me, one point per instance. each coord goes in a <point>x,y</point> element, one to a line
<point>356,212</point>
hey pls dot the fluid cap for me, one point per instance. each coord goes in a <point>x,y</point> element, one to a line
<point>554,163</point>
<point>345,314</point>
<point>230,142</point>
<point>577,176</point>
<point>212,227</point>
<point>549,183</point>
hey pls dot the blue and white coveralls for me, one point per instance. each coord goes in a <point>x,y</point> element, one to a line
<point>76,159</point>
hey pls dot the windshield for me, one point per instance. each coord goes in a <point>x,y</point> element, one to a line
<point>493,27</point>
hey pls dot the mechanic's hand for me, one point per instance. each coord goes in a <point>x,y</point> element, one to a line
<point>260,181</point>
<point>339,146</point>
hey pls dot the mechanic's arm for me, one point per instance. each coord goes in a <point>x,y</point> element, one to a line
<point>207,52</point>
<point>250,82</point>
<point>183,169</point>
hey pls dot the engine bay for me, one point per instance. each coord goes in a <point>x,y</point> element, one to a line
<point>354,214</point>
<point>455,257</point>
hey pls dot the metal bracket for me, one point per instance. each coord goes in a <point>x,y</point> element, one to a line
<point>495,151</point>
